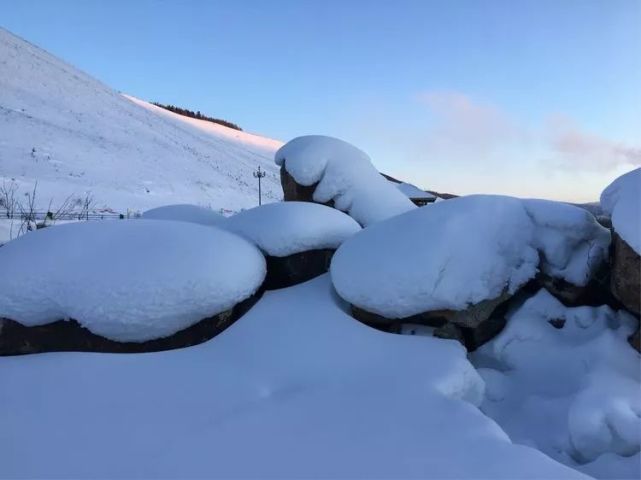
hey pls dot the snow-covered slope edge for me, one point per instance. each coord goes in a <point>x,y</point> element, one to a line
<point>72,134</point>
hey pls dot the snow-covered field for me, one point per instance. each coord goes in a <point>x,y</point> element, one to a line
<point>74,135</point>
<point>294,389</point>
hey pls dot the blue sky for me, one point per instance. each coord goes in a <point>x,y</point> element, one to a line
<point>530,98</point>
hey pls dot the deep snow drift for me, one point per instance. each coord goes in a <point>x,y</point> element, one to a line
<point>73,134</point>
<point>565,381</point>
<point>465,250</point>
<point>117,283</point>
<point>295,388</point>
<point>345,175</point>
<point>622,201</point>
<point>284,228</point>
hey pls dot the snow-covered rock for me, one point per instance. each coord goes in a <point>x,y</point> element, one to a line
<point>565,381</point>
<point>341,174</point>
<point>412,191</point>
<point>622,201</point>
<point>298,238</point>
<point>185,213</point>
<point>73,134</point>
<point>468,252</point>
<point>463,251</point>
<point>285,228</point>
<point>127,280</point>
<point>294,389</point>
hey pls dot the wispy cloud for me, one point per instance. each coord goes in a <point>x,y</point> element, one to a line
<point>463,125</point>
<point>575,147</point>
<point>454,142</point>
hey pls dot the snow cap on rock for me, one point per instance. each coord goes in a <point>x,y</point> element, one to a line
<point>458,253</point>
<point>285,228</point>
<point>127,280</point>
<point>345,175</point>
<point>622,201</point>
<point>185,213</point>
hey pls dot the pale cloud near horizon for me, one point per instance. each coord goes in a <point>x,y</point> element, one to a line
<point>457,143</point>
<point>466,124</point>
<point>579,148</point>
<point>465,129</point>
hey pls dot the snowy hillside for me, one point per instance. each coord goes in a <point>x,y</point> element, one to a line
<point>72,134</point>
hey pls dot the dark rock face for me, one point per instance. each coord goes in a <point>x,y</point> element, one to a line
<point>297,268</point>
<point>635,340</point>
<point>70,336</point>
<point>472,327</point>
<point>294,192</point>
<point>625,278</point>
<point>595,293</point>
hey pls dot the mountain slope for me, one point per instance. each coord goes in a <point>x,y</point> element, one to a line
<point>73,135</point>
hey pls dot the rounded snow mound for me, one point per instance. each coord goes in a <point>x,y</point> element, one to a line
<point>129,280</point>
<point>622,201</point>
<point>185,213</point>
<point>345,175</point>
<point>284,228</point>
<point>458,253</point>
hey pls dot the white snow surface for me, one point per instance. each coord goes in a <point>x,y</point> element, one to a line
<point>128,153</point>
<point>127,280</point>
<point>412,191</point>
<point>345,175</point>
<point>285,228</point>
<point>294,389</point>
<point>622,201</point>
<point>463,251</point>
<point>573,392</point>
<point>185,213</point>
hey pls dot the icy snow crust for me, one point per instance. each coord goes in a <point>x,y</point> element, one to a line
<point>127,280</point>
<point>285,228</point>
<point>571,392</point>
<point>296,388</point>
<point>463,251</point>
<point>622,201</point>
<point>185,213</point>
<point>345,175</point>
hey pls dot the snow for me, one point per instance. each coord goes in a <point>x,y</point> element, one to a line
<point>128,153</point>
<point>127,280</point>
<point>8,229</point>
<point>185,213</point>
<point>622,201</point>
<point>296,388</point>
<point>285,228</point>
<point>463,251</point>
<point>412,191</point>
<point>345,175</point>
<point>572,392</point>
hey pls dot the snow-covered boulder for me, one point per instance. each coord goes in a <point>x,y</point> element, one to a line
<point>564,381</point>
<point>123,282</point>
<point>419,197</point>
<point>622,201</point>
<point>185,213</point>
<point>330,171</point>
<point>297,238</point>
<point>457,261</point>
